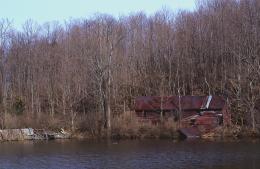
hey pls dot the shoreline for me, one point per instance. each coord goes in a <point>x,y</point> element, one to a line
<point>235,134</point>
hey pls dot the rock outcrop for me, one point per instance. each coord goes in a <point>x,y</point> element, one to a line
<point>31,134</point>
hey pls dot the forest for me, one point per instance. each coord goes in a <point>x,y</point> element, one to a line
<point>84,73</point>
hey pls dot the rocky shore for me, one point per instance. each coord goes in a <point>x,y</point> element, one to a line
<point>219,133</point>
<point>32,134</point>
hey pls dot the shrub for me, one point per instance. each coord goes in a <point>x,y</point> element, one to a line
<point>18,106</point>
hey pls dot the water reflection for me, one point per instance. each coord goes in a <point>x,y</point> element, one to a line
<point>70,154</point>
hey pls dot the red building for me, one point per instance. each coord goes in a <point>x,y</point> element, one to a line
<point>198,114</point>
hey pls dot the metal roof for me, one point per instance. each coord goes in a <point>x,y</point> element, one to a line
<point>168,103</point>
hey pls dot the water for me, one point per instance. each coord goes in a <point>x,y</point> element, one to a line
<point>161,154</point>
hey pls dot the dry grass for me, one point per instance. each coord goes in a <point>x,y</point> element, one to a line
<point>232,132</point>
<point>29,120</point>
<point>129,126</point>
<point>125,126</point>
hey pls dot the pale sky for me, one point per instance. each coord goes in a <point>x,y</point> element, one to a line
<point>41,11</point>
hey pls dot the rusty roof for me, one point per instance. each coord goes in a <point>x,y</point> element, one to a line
<point>168,103</point>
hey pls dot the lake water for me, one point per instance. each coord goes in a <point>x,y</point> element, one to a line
<point>161,154</point>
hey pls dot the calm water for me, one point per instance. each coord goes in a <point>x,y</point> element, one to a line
<point>72,154</point>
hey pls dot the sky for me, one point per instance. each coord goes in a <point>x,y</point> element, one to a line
<point>41,11</point>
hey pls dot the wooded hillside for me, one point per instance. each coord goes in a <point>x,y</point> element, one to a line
<point>93,69</point>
